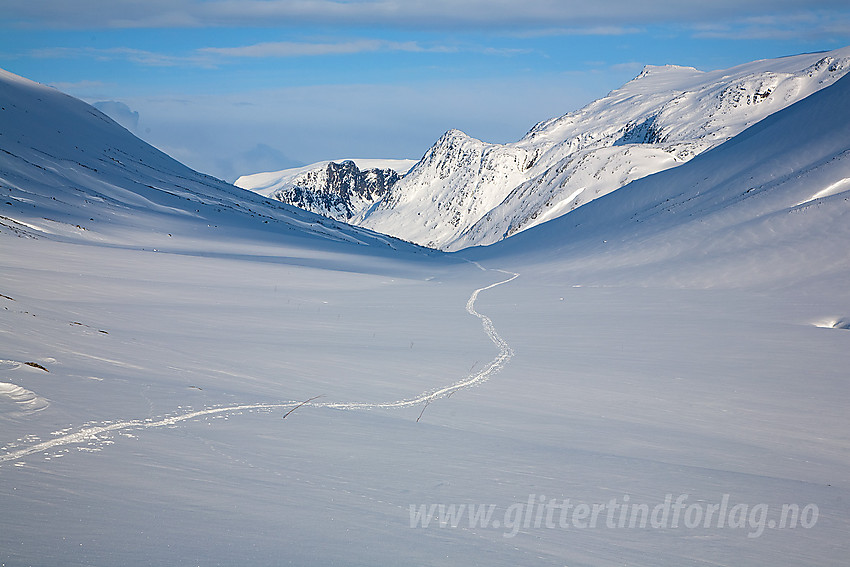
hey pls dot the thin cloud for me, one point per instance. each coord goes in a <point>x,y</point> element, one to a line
<point>579,31</point>
<point>211,57</point>
<point>502,51</point>
<point>598,18</point>
<point>808,26</point>
<point>302,49</point>
<point>140,56</point>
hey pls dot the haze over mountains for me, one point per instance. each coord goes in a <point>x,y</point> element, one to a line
<point>465,192</point>
<point>64,160</point>
<point>679,341</point>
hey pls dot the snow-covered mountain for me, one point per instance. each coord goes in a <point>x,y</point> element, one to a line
<point>466,192</point>
<point>767,207</point>
<point>339,189</point>
<point>69,171</point>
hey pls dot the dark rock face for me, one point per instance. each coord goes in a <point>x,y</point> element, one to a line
<point>339,190</point>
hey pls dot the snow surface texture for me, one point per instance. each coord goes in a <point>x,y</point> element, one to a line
<point>466,192</point>
<point>667,339</point>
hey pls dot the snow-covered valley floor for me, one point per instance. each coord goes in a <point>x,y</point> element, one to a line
<point>159,439</point>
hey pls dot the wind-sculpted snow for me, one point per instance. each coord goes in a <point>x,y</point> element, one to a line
<point>466,192</point>
<point>24,400</point>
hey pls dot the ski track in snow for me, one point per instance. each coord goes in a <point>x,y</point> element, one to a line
<point>91,433</point>
<point>505,354</point>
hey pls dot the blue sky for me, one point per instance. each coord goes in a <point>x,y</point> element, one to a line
<point>239,86</point>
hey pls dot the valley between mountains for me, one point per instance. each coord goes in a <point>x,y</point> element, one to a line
<point>195,373</point>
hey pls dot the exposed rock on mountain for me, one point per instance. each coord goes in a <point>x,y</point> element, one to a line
<point>339,190</point>
<point>466,192</point>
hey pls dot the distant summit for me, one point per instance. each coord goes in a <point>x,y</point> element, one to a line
<point>69,172</point>
<point>336,189</point>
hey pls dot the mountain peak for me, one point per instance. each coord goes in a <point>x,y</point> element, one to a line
<point>655,70</point>
<point>340,190</point>
<point>465,192</point>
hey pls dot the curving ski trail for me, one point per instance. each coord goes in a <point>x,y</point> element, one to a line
<point>495,365</point>
<point>505,354</point>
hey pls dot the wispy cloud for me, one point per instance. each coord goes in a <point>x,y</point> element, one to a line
<point>612,17</point>
<point>579,31</point>
<point>819,26</point>
<point>211,57</point>
<point>140,56</point>
<point>302,49</point>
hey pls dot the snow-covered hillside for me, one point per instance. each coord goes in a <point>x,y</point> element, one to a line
<point>768,207</point>
<point>193,374</point>
<point>68,170</point>
<point>343,190</point>
<point>467,192</point>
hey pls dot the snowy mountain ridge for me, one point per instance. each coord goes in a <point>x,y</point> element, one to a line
<point>467,192</point>
<point>765,208</point>
<point>69,171</point>
<point>341,189</point>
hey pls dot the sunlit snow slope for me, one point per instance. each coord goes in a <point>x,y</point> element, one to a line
<point>466,192</point>
<point>770,206</point>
